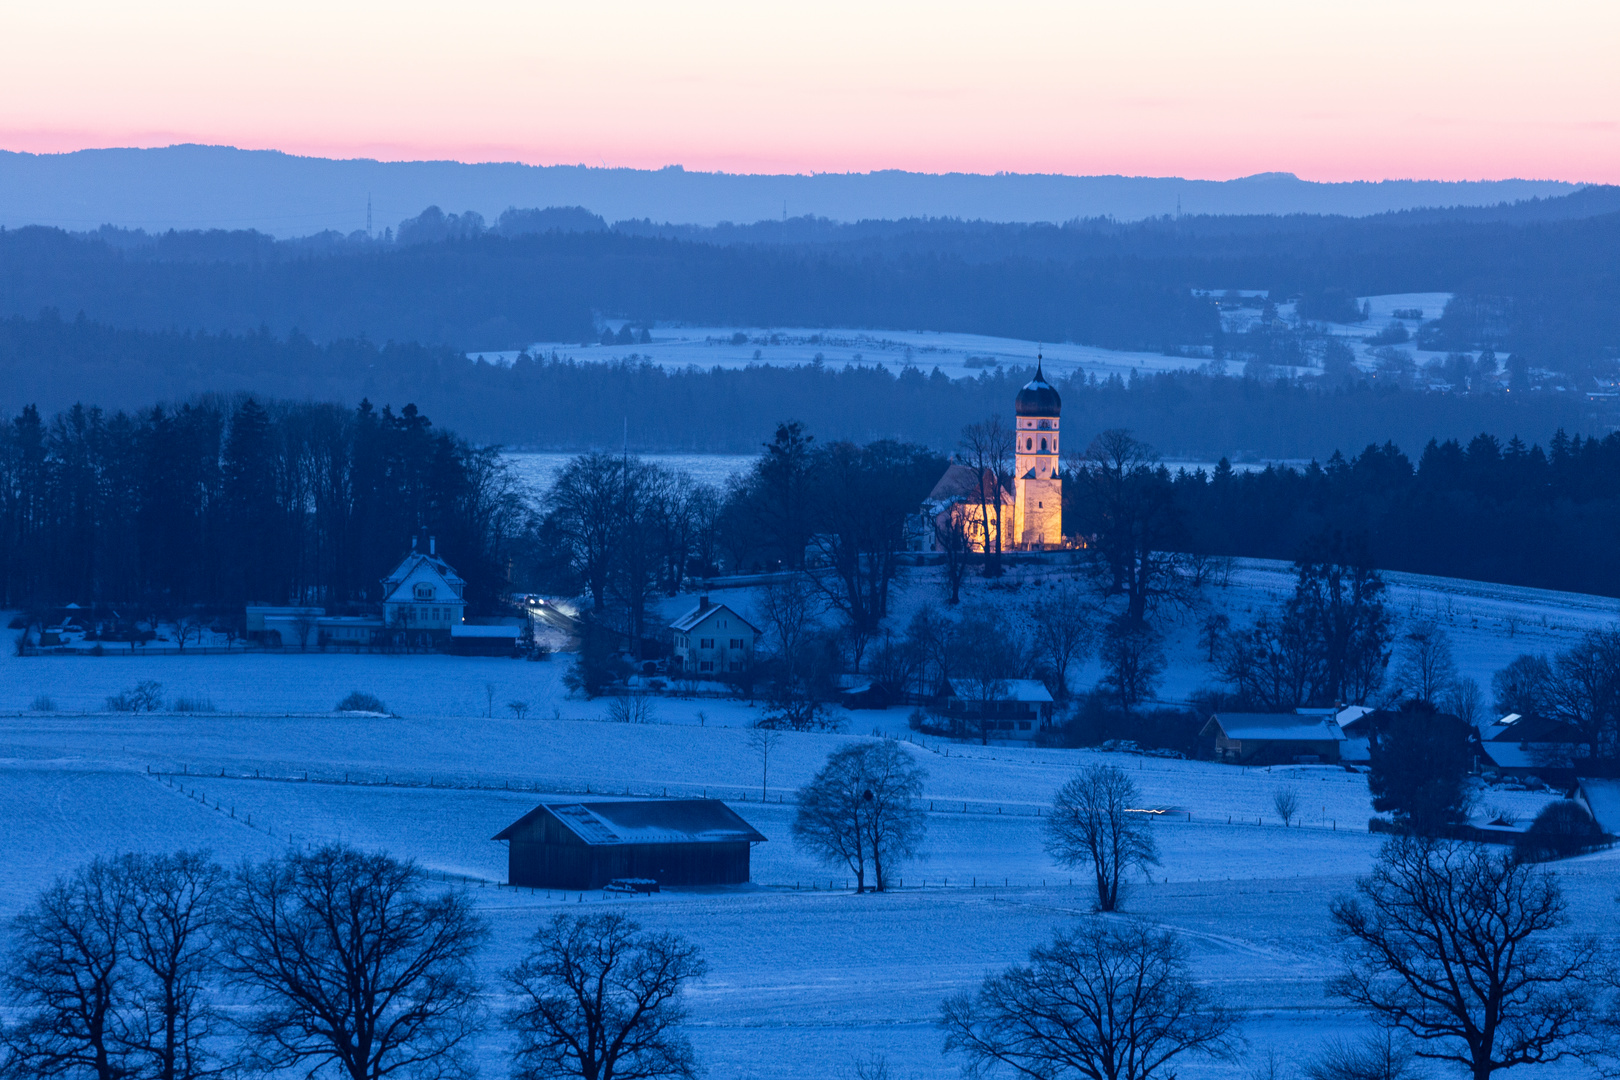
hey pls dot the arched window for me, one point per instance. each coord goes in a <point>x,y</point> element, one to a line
<point>1028,443</point>
<point>1043,446</point>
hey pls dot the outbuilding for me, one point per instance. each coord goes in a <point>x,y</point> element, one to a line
<point>587,844</point>
<point>1274,738</point>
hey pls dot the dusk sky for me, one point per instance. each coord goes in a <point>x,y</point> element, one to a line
<point>1338,91</point>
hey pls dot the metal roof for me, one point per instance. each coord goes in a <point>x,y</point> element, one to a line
<point>1286,727</point>
<point>645,821</point>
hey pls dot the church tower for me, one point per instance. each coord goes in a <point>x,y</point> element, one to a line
<point>1038,482</point>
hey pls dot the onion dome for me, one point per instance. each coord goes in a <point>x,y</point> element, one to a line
<point>1039,397</point>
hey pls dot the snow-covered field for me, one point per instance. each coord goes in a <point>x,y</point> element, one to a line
<point>804,980</point>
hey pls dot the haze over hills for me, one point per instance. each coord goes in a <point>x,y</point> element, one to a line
<point>197,187</point>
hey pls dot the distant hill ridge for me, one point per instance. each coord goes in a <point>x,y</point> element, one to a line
<point>200,187</point>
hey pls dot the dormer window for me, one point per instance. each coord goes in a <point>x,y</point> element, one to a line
<point>423,592</point>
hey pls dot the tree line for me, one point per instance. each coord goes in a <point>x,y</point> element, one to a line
<point>561,402</point>
<point>221,502</point>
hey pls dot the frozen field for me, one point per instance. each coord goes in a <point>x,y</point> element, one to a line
<point>804,980</point>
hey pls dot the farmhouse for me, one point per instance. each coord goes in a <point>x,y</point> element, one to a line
<point>1532,745</point>
<point>422,598</point>
<point>585,845</point>
<point>1268,738</point>
<point>711,640</point>
<point>1008,709</point>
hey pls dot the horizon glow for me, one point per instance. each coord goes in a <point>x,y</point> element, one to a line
<point>1329,91</point>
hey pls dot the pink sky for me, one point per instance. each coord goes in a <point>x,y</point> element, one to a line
<point>1330,91</point>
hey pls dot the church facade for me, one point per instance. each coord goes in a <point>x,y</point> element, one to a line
<point>1028,503</point>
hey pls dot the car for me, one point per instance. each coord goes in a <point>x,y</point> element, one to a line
<point>631,885</point>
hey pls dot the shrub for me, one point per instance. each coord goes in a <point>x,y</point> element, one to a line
<point>192,704</point>
<point>145,696</point>
<point>358,701</point>
<point>43,703</point>
<point>1561,830</point>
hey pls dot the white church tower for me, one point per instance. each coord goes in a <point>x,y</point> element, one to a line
<point>1038,483</point>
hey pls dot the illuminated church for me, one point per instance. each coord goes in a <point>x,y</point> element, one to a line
<point>1031,511</point>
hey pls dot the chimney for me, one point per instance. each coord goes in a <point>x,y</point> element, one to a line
<point>703,603</point>
<point>433,545</point>
<point>413,545</point>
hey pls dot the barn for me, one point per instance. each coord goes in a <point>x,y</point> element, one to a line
<point>585,845</point>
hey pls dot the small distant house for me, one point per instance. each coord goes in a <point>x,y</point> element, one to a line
<point>585,845</point>
<point>1272,738</point>
<point>422,598</point>
<point>710,641</point>
<point>1532,745</point>
<point>1014,709</point>
<point>488,636</point>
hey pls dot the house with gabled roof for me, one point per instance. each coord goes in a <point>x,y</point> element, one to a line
<point>585,844</point>
<point>711,641</point>
<point>423,597</point>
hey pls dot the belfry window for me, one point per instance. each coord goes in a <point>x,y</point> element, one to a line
<point>1043,446</point>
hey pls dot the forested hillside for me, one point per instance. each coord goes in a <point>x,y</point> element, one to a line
<point>548,402</point>
<point>1541,279</point>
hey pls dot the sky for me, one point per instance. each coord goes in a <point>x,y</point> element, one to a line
<point>1330,91</point>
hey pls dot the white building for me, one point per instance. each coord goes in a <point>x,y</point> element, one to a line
<point>423,596</point>
<point>711,640</point>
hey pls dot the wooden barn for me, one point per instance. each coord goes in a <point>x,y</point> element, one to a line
<point>585,845</point>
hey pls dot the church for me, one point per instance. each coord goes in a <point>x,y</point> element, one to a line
<point>1030,513</point>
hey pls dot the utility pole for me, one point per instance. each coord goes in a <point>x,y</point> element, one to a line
<point>368,215</point>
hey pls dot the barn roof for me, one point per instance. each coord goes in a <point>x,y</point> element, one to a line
<point>645,821</point>
<point>1282,727</point>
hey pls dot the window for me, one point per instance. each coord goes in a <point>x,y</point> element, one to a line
<point>736,643</point>
<point>1043,446</point>
<point>1028,443</point>
<point>1023,725</point>
<point>423,592</point>
<point>736,665</point>
<point>706,665</point>
<point>706,643</point>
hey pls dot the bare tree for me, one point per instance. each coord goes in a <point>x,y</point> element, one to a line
<point>1425,670</point>
<point>519,709</point>
<point>1133,660</point>
<point>1127,508</point>
<point>171,920</point>
<point>988,448</point>
<point>951,535</point>
<point>789,610</point>
<point>1090,826</point>
<point>1372,1057</point>
<point>1062,631</point>
<point>1105,1002</point>
<point>630,708</point>
<point>763,741</point>
<point>989,653</point>
<point>67,978</point>
<point>304,626</point>
<point>1448,945</point>
<point>600,999</point>
<point>1285,800</point>
<point>349,964</point>
<point>862,805</point>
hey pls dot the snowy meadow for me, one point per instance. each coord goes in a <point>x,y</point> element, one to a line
<point>805,977</point>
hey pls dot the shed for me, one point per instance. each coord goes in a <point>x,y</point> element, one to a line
<point>585,845</point>
<point>1266,738</point>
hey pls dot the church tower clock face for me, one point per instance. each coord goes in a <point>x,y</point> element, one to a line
<point>1038,480</point>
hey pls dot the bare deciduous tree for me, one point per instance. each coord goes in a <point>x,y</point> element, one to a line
<point>1285,800</point>
<point>862,806</point>
<point>630,708</point>
<point>1372,1057</point>
<point>1063,631</point>
<point>350,964</point>
<point>1105,1002</point>
<point>600,999</point>
<point>989,449</point>
<point>1426,670</point>
<point>1089,826</point>
<point>1449,945</point>
<point>763,741</point>
<point>66,979</point>
<point>174,905</point>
